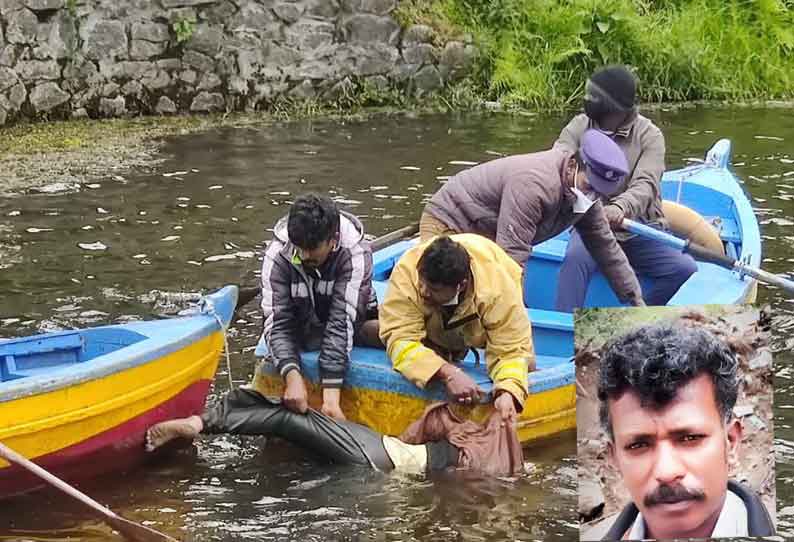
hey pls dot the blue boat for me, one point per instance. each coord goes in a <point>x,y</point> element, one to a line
<point>377,396</point>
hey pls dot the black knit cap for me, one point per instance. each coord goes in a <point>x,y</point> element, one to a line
<point>618,83</point>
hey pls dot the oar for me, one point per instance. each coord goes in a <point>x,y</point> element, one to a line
<point>702,253</point>
<point>129,529</point>
<point>247,294</point>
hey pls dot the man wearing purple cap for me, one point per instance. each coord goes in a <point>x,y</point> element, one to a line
<point>520,201</point>
<point>610,108</point>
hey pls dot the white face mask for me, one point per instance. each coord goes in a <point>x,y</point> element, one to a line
<point>582,203</point>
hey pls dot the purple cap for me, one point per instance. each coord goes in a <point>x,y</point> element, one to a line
<point>606,163</point>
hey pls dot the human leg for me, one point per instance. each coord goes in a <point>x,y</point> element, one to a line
<point>576,270</point>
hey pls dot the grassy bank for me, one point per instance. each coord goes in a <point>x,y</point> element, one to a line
<point>538,53</point>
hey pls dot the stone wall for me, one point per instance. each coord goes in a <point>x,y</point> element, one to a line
<point>106,58</point>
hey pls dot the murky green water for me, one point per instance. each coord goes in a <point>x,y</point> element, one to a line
<point>94,256</point>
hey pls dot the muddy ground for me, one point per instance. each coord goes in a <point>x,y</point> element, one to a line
<point>746,330</point>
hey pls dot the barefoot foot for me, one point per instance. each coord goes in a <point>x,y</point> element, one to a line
<point>164,432</point>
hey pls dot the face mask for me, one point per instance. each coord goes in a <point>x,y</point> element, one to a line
<point>582,203</point>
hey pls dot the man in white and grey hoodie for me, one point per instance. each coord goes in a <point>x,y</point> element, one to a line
<point>317,294</point>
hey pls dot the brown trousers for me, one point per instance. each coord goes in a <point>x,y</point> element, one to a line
<point>430,226</point>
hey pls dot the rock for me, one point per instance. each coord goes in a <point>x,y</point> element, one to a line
<point>421,53</point>
<point>590,497</point>
<point>418,33</point>
<point>81,71</point>
<point>130,69</point>
<point>427,80</point>
<point>8,78</point>
<point>366,27</point>
<point>322,9</point>
<point>206,39</point>
<point>763,360</point>
<point>37,70</point>
<point>3,116</point>
<point>378,82</point>
<point>104,39</point>
<point>165,106</point>
<point>208,102</point>
<point>182,14</point>
<point>343,88</point>
<point>110,89</point>
<point>303,91</point>
<point>168,4</point>
<point>16,97</point>
<point>309,34</point>
<point>238,85</point>
<point>374,59</point>
<point>379,7</point>
<point>288,12</point>
<point>154,32</point>
<point>132,88</point>
<point>209,81</point>
<point>22,27</point>
<point>169,64</point>
<point>219,13</point>
<point>44,5</point>
<point>742,410</point>
<point>47,96</point>
<point>197,60</point>
<point>156,80</point>
<point>189,77</point>
<point>80,113</point>
<point>253,17</point>
<point>456,59</point>
<point>142,49</point>
<point>9,54</point>
<point>62,39</point>
<point>115,107</point>
<point>279,56</point>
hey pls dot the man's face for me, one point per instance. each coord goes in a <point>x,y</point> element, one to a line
<point>313,258</point>
<point>674,460</point>
<point>437,295</point>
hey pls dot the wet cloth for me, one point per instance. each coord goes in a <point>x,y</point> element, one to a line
<point>491,448</point>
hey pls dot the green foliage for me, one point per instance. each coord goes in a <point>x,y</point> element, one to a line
<point>184,29</point>
<point>538,53</point>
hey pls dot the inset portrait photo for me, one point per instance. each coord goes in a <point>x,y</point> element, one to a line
<point>674,423</point>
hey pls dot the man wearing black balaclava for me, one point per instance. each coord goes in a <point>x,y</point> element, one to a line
<point>610,107</point>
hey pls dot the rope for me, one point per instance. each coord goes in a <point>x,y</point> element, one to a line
<point>208,307</point>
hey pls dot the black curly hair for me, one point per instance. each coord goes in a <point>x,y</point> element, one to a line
<point>656,360</point>
<point>313,219</point>
<point>444,262</point>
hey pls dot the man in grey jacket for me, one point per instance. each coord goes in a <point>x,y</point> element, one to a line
<point>610,108</point>
<point>520,201</point>
<point>317,294</point>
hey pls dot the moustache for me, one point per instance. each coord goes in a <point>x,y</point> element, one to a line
<point>667,494</point>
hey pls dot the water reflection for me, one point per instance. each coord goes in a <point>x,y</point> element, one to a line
<point>200,221</point>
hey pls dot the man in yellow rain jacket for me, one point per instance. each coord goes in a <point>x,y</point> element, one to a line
<point>450,294</point>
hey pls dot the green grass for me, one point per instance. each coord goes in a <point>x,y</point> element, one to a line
<point>538,53</point>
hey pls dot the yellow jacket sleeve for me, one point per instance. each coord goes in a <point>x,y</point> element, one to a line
<point>509,351</point>
<point>402,326</point>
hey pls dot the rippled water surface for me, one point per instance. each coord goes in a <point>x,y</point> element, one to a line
<point>100,253</point>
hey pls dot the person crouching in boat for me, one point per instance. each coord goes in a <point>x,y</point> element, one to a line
<point>610,108</point>
<point>437,441</point>
<point>520,201</point>
<point>451,294</point>
<point>317,294</point>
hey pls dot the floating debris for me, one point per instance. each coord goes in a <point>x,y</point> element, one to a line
<point>771,138</point>
<point>102,211</point>
<point>98,245</point>
<point>37,230</point>
<point>14,213</point>
<point>410,168</point>
<point>139,256</point>
<point>348,201</point>
<point>87,227</point>
<point>462,163</point>
<point>58,187</point>
<point>215,187</point>
<point>93,185</point>
<point>174,173</point>
<point>170,238</point>
<point>279,193</point>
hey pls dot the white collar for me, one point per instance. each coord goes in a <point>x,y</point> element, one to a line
<point>731,522</point>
